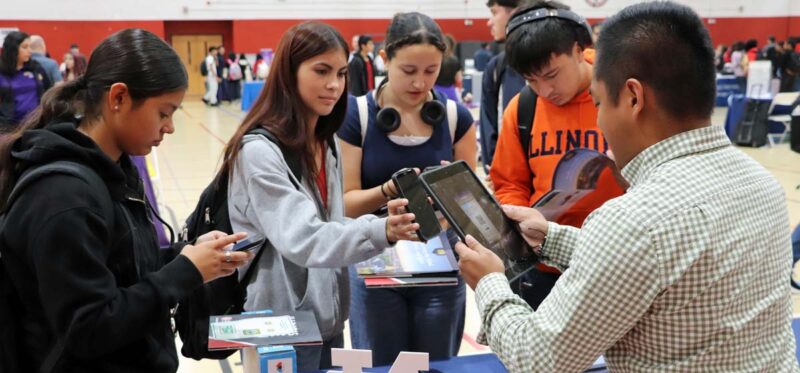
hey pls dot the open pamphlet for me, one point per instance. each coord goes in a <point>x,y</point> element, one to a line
<point>263,328</point>
<point>410,263</point>
<point>584,179</point>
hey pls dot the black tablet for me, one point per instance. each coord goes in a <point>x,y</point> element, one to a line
<point>472,210</point>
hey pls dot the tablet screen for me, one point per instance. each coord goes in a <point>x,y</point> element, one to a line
<point>472,210</point>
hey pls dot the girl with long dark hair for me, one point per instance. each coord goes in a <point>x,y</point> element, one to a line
<point>310,242</point>
<point>22,80</point>
<point>80,259</point>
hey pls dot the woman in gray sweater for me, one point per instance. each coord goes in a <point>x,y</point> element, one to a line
<point>310,242</point>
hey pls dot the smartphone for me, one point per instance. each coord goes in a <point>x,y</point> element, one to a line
<point>430,168</point>
<point>411,188</point>
<point>248,245</point>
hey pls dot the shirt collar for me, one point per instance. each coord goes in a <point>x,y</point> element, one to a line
<point>680,145</point>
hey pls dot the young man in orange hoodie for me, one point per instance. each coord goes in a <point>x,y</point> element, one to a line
<point>548,45</point>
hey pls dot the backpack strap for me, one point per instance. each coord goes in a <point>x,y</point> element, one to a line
<point>451,112</point>
<point>363,115</point>
<point>66,168</point>
<point>292,160</point>
<point>526,112</point>
<point>452,118</point>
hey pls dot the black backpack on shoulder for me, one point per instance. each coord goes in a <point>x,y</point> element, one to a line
<point>526,111</point>
<point>10,302</point>
<point>225,295</point>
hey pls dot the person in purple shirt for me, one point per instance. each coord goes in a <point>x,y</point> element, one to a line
<point>22,80</point>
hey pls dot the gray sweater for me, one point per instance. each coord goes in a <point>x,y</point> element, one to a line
<point>305,263</point>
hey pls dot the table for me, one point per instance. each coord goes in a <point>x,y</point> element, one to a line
<point>484,363</point>
<point>250,93</point>
<point>726,86</point>
<point>489,363</point>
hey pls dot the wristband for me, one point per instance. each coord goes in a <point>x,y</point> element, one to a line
<point>384,193</point>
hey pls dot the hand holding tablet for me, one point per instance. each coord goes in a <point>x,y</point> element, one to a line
<point>472,210</point>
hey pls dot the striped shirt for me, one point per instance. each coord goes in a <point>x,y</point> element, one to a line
<point>688,271</point>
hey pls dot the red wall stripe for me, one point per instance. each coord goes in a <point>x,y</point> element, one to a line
<point>729,30</point>
<point>59,35</point>
<point>252,35</point>
<point>249,36</point>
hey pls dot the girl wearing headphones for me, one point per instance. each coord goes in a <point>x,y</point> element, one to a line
<point>403,123</point>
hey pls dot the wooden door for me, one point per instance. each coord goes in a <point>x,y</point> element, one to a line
<point>192,50</point>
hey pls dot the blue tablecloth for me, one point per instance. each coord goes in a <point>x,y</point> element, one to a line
<point>489,363</point>
<point>726,86</point>
<point>484,363</point>
<point>250,93</point>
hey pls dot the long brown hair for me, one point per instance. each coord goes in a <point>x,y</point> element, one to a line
<point>280,109</point>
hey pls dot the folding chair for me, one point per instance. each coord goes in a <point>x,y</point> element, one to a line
<point>781,110</point>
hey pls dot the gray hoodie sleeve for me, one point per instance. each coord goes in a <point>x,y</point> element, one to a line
<point>289,217</point>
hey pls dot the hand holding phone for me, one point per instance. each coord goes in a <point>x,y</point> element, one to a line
<point>248,245</point>
<point>411,189</point>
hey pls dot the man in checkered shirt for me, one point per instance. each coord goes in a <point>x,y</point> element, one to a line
<point>689,270</point>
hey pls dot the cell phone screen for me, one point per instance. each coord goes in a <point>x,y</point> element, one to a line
<point>247,245</point>
<point>411,188</point>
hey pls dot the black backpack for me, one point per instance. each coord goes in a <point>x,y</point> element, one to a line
<point>225,295</point>
<point>203,69</point>
<point>526,111</point>
<point>753,128</point>
<point>9,299</point>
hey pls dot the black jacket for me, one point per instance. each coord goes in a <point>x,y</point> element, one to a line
<point>7,105</point>
<point>357,71</point>
<point>92,279</point>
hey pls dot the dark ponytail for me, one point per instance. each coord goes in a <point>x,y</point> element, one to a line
<point>58,104</point>
<point>136,57</point>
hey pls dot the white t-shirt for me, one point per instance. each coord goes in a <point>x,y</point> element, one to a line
<point>211,66</point>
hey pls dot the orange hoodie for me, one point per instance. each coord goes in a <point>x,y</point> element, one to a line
<point>520,180</point>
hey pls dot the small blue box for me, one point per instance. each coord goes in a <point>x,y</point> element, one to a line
<point>269,359</point>
<point>282,359</point>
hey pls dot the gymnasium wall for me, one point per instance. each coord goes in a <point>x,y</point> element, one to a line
<point>248,25</point>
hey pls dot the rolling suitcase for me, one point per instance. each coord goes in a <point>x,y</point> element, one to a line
<point>752,128</point>
<point>794,130</point>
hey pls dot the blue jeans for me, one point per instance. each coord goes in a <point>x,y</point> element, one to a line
<point>314,358</point>
<point>421,319</point>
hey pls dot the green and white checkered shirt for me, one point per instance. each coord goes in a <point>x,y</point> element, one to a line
<point>688,271</point>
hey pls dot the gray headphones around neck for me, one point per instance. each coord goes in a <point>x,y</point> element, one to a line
<point>535,15</point>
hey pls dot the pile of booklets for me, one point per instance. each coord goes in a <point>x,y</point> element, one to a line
<point>410,263</point>
<point>263,328</point>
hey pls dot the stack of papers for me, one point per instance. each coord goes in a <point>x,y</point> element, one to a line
<point>263,329</point>
<point>410,263</point>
